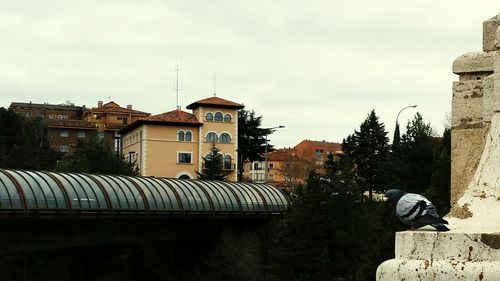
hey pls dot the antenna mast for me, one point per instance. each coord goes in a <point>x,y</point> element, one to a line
<point>215,92</point>
<point>176,88</point>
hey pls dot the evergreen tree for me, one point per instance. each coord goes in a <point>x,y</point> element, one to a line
<point>96,156</point>
<point>328,232</point>
<point>251,138</point>
<point>213,166</point>
<point>413,166</point>
<point>439,191</point>
<point>369,149</point>
<point>24,142</point>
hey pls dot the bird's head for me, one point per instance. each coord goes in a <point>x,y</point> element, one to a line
<point>393,195</point>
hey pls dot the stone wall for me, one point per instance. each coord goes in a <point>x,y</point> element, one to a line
<point>474,97</point>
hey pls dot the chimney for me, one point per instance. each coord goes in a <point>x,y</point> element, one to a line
<point>129,106</point>
<point>99,103</point>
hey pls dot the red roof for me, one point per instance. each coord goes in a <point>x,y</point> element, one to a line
<point>174,116</point>
<point>215,102</point>
<point>284,154</point>
<point>115,108</point>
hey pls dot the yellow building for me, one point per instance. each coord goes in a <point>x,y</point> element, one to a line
<point>173,144</point>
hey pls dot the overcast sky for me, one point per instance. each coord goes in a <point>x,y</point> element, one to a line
<point>316,67</point>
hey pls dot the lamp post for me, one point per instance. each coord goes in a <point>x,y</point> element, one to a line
<point>265,160</point>
<point>396,129</point>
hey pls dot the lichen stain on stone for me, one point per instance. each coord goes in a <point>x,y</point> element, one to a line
<point>462,212</point>
<point>427,263</point>
<point>492,240</point>
<point>470,253</point>
<point>464,125</point>
<point>481,276</point>
<point>475,94</point>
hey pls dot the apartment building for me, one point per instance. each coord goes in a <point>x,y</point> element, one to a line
<point>173,144</point>
<point>67,123</point>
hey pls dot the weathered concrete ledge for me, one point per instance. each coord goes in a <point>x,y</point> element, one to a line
<point>475,62</point>
<point>428,255</point>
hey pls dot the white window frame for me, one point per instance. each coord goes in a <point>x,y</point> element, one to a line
<point>210,120</point>
<point>185,136</point>
<point>184,152</point>
<point>81,134</point>
<point>216,137</point>
<point>64,133</point>
<point>220,137</point>
<point>221,114</point>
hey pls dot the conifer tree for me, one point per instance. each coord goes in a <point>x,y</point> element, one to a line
<point>24,142</point>
<point>369,150</point>
<point>413,166</point>
<point>213,166</point>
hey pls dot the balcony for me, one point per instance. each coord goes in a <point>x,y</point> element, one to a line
<point>229,167</point>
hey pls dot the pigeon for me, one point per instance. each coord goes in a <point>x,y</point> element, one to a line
<point>415,210</point>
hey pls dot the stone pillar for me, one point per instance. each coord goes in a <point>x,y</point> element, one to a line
<point>471,250</point>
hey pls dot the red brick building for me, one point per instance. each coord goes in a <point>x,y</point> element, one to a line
<point>68,123</point>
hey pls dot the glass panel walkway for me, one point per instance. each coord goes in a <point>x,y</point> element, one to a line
<point>32,192</point>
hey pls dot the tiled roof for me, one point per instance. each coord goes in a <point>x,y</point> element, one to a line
<point>171,118</point>
<point>215,102</point>
<point>309,144</point>
<point>282,155</point>
<point>175,116</point>
<point>115,108</point>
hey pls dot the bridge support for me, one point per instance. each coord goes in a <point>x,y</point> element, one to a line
<point>471,250</point>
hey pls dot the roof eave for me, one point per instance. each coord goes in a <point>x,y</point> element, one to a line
<point>196,105</point>
<point>138,123</point>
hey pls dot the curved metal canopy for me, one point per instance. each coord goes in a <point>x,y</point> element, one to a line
<point>37,191</point>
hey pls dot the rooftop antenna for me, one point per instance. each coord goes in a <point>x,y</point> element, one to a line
<point>215,89</point>
<point>176,88</point>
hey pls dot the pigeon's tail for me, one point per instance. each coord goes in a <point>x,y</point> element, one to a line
<point>440,227</point>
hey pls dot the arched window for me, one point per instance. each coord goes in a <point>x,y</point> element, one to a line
<point>227,118</point>
<point>227,162</point>
<point>218,116</point>
<point>211,137</point>
<point>180,136</point>
<point>189,136</point>
<point>209,117</point>
<point>225,138</point>
<point>184,177</point>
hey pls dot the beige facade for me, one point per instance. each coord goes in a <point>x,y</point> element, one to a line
<point>174,143</point>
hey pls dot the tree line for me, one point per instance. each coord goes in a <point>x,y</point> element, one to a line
<point>24,144</point>
<point>336,227</point>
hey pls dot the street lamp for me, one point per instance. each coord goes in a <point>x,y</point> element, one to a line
<point>396,129</point>
<point>265,161</point>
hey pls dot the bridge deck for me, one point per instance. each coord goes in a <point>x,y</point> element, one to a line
<point>37,192</point>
